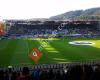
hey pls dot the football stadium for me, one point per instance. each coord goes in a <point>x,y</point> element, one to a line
<point>27,42</point>
<point>50,40</point>
<point>50,50</point>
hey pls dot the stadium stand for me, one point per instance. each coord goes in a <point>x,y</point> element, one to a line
<point>58,28</point>
<point>72,72</point>
<point>70,29</point>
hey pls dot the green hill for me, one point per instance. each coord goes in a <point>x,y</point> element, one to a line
<point>88,14</point>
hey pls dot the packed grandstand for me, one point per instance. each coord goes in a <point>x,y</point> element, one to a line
<point>25,29</point>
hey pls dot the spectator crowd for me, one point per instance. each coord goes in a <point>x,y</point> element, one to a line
<point>74,72</point>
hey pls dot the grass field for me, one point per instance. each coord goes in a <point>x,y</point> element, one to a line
<point>15,51</point>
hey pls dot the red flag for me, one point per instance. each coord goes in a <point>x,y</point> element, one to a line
<point>2,29</point>
<point>35,54</point>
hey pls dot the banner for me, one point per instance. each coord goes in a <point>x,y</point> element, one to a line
<point>35,54</point>
<point>2,32</point>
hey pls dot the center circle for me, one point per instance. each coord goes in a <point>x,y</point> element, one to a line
<point>82,43</point>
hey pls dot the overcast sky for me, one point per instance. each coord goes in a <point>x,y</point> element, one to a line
<point>25,9</point>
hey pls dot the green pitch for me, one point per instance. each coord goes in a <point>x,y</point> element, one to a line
<point>15,51</point>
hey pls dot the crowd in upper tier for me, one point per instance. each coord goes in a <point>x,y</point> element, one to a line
<point>74,32</point>
<point>35,29</point>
